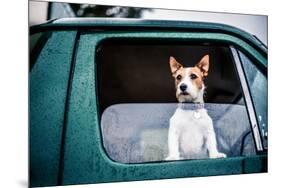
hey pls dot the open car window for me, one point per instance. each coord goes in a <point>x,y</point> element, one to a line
<point>136,96</point>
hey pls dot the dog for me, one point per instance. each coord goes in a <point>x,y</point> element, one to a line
<point>191,133</point>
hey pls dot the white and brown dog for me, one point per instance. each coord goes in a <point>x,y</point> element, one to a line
<point>191,131</point>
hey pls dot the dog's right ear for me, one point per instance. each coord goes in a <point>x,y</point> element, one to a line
<point>174,65</point>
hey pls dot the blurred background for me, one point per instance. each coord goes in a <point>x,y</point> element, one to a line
<point>40,12</point>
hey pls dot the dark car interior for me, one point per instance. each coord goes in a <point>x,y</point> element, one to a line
<point>139,72</point>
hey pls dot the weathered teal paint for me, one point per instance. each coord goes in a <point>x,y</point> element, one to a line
<point>85,158</point>
<point>47,89</point>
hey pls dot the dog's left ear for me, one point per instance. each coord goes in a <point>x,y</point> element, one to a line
<point>203,65</point>
<point>174,65</point>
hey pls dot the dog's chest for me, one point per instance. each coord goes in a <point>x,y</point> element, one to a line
<point>192,127</point>
<point>191,119</point>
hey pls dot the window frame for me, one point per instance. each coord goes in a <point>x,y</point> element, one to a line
<point>248,101</point>
<point>241,77</point>
<point>89,42</point>
<point>264,73</point>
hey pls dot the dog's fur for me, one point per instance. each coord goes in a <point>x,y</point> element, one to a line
<point>191,132</point>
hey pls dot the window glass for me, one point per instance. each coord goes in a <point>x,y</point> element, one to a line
<point>36,44</point>
<point>257,82</point>
<point>137,100</point>
<point>34,40</point>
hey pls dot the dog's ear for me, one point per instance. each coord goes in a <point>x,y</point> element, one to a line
<point>174,65</point>
<point>203,65</point>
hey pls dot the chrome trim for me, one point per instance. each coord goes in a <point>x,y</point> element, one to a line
<point>248,100</point>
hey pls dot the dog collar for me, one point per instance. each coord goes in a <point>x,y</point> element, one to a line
<point>191,106</point>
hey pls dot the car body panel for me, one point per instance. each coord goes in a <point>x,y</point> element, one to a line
<point>74,150</point>
<point>84,152</point>
<point>48,90</point>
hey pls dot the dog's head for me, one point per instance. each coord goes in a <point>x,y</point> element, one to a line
<point>189,80</point>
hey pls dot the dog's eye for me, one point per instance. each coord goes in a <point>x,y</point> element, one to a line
<point>178,77</point>
<point>193,76</point>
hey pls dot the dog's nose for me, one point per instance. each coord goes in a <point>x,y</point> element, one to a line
<point>183,87</point>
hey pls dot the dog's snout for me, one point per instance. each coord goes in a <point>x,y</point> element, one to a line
<point>183,87</point>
